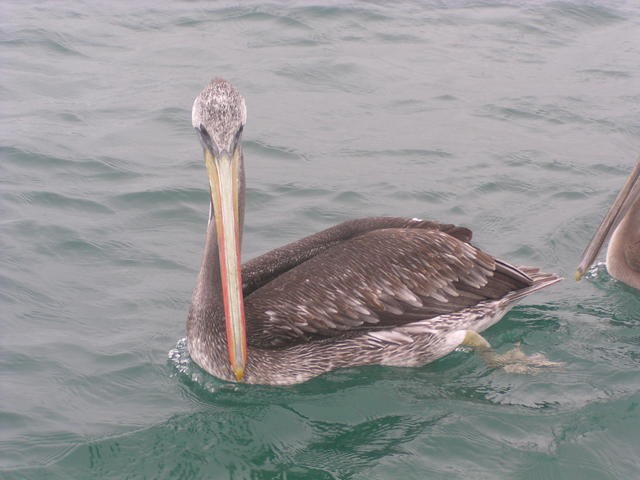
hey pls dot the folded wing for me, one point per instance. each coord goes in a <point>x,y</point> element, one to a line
<point>376,279</point>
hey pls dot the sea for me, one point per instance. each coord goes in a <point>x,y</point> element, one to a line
<point>517,119</point>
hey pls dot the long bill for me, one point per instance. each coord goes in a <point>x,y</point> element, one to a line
<point>224,179</point>
<point>623,202</point>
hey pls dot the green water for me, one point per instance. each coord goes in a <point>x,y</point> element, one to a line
<point>519,120</point>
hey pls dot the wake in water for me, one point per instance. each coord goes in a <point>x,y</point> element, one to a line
<point>600,276</point>
<point>179,357</point>
<point>598,271</point>
<point>186,368</point>
<point>183,365</point>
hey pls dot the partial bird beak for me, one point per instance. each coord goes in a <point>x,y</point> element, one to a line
<point>629,194</point>
<point>224,179</point>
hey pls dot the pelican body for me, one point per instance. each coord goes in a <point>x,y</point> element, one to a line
<point>623,219</point>
<point>384,290</point>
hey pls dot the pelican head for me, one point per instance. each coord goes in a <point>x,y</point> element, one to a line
<point>219,115</point>
<point>623,219</point>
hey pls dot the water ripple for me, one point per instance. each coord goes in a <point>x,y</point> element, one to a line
<point>516,119</point>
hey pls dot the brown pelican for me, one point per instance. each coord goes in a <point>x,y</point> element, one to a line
<point>388,291</point>
<point>623,254</point>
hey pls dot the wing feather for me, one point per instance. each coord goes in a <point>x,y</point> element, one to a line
<point>374,280</point>
<point>264,268</point>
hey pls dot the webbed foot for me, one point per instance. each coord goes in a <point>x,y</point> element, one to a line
<point>513,361</point>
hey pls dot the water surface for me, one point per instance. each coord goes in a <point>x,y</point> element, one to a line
<point>519,120</point>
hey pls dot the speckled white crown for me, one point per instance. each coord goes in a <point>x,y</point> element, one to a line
<point>220,109</point>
